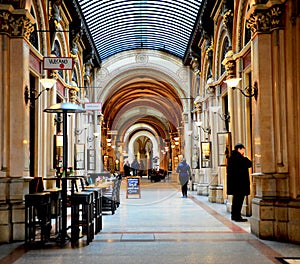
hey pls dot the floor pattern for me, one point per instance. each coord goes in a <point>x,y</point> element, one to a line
<point>161,227</point>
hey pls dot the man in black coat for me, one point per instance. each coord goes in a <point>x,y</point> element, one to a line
<point>238,182</point>
<point>127,168</point>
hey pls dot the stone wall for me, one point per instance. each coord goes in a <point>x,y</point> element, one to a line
<point>12,208</point>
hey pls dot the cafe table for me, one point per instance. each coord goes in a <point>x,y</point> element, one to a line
<point>103,185</point>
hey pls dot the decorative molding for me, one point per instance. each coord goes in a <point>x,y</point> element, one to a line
<point>210,48</point>
<point>16,23</point>
<point>195,65</point>
<point>228,22</point>
<point>230,67</point>
<point>198,105</point>
<point>264,19</point>
<point>142,58</point>
<point>210,90</point>
<point>72,95</point>
<point>88,66</point>
<point>241,25</point>
<point>182,73</point>
<point>230,64</point>
<point>209,55</point>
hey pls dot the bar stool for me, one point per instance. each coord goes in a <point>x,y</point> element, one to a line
<point>37,216</point>
<point>82,215</point>
<point>55,196</point>
<point>97,207</point>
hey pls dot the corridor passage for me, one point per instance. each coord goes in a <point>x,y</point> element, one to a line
<point>162,227</point>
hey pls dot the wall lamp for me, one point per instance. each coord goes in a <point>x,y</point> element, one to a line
<point>33,94</point>
<point>249,91</point>
<point>215,110</point>
<point>205,129</point>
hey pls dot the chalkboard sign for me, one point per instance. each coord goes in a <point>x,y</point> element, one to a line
<point>133,187</point>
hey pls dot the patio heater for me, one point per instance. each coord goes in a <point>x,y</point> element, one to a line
<point>64,108</point>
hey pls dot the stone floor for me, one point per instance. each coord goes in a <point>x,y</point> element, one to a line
<point>162,227</point>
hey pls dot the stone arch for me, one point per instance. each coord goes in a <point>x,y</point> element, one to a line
<point>219,50</point>
<point>77,74</point>
<point>155,144</point>
<point>241,24</point>
<point>124,66</point>
<point>41,24</point>
<point>134,128</point>
<point>132,110</point>
<point>221,34</point>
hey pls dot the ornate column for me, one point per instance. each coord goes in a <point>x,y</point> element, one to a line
<point>270,216</point>
<point>16,26</point>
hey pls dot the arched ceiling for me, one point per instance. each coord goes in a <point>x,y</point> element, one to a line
<point>144,101</point>
<point>167,26</point>
<point>122,25</point>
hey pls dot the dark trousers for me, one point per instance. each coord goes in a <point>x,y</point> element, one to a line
<point>237,203</point>
<point>184,189</point>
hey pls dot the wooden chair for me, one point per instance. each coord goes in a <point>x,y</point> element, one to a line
<point>111,198</point>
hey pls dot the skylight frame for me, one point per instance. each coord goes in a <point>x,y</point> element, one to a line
<point>143,23</point>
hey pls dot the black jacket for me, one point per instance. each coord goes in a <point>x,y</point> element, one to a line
<point>238,181</point>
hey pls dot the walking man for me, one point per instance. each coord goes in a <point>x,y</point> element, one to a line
<point>184,171</point>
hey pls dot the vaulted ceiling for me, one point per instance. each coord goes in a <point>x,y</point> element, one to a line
<point>122,25</point>
<point>143,100</point>
<point>168,26</point>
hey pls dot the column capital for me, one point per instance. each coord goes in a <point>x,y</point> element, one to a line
<point>15,22</point>
<point>229,63</point>
<point>264,18</point>
<point>72,95</point>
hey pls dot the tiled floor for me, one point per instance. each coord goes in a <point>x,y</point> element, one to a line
<point>162,227</point>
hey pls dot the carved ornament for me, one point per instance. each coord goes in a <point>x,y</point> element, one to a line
<point>195,65</point>
<point>210,49</point>
<point>16,24</point>
<point>263,19</point>
<point>230,66</point>
<point>228,18</point>
<point>228,22</point>
<point>198,106</point>
<point>210,90</point>
<point>72,95</point>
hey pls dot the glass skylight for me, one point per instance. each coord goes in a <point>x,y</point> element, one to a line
<point>120,25</point>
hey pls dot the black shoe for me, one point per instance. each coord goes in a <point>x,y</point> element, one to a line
<point>239,219</point>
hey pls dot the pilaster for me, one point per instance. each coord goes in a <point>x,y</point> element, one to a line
<point>275,215</point>
<point>16,27</point>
